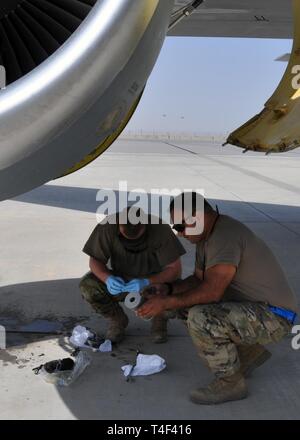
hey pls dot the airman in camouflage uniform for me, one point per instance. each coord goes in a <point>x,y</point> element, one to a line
<point>138,254</point>
<point>237,301</point>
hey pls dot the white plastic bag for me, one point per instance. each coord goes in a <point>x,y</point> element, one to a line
<point>79,336</point>
<point>83,338</point>
<point>106,347</point>
<point>145,365</point>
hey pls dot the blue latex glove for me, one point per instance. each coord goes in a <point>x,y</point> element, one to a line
<point>136,285</point>
<point>115,285</point>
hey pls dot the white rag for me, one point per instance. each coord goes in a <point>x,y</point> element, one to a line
<point>145,365</point>
<point>106,347</point>
<point>79,336</point>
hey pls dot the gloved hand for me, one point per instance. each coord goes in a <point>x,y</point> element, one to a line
<point>115,285</point>
<point>136,285</point>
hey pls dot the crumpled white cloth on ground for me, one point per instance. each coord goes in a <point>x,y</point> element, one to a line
<point>145,365</point>
<point>79,336</point>
<point>106,347</point>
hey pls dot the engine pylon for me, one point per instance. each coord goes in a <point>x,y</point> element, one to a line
<point>277,129</point>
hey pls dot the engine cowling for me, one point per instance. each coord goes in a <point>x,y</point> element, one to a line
<point>75,71</point>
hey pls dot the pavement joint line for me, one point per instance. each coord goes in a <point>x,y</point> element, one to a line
<point>255,175</point>
<point>236,195</point>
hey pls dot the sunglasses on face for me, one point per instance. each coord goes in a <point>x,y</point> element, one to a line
<point>180,227</point>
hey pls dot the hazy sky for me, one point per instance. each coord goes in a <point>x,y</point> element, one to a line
<point>209,85</point>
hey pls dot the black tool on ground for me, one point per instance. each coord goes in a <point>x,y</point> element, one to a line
<point>51,367</point>
<point>75,352</point>
<point>63,372</point>
<point>129,377</point>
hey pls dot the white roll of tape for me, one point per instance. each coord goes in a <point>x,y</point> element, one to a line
<point>133,300</point>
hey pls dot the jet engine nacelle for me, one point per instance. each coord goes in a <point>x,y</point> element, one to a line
<point>75,72</point>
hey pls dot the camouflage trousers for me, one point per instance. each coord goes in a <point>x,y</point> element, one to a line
<point>96,294</point>
<point>218,329</point>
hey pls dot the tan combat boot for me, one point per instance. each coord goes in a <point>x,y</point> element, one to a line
<point>251,357</point>
<point>159,330</point>
<point>221,390</point>
<point>117,325</point>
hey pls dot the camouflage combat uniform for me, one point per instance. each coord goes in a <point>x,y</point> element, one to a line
<point>243,318</point>
<point>129,259</point>
<point>217,331</point>
<point>96,294</point>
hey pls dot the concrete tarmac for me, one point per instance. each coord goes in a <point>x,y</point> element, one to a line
<point>42,234</point>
